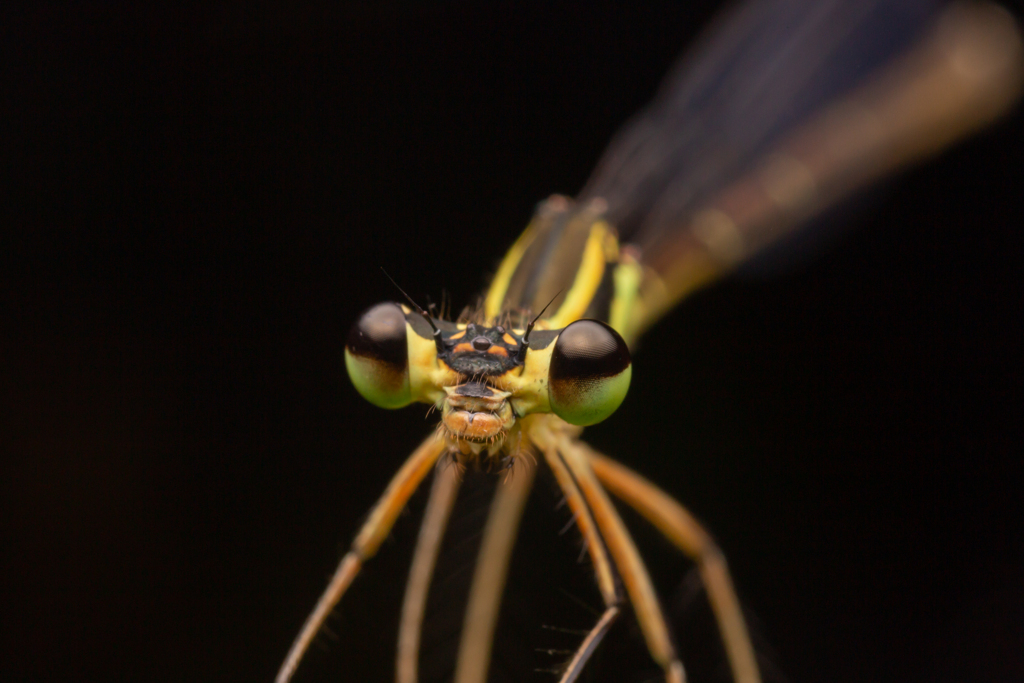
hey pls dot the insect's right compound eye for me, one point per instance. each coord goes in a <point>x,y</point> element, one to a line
<point>377,356</point>
<point>589,373</point>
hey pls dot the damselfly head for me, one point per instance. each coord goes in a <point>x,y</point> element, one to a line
<point>483,378</point>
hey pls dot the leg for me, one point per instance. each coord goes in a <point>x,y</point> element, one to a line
<point>373,533</point>
<point>485,592</point>
<point>627,560</point>
<point>680,527</point>
<point>598,555</point>
<point>439,507</point>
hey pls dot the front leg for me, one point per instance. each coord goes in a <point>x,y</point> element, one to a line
<point>442,498</point>
<point>374,531</point>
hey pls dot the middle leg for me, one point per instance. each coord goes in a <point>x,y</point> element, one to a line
<point>598,555</point>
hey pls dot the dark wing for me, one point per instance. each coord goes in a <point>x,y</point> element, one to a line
<point>783,108</point>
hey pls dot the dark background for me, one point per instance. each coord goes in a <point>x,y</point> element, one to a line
<point>198,201</point>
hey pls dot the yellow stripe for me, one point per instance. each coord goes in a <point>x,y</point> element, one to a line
<point>601,247</point>
<point>628,276</point>
<point>494,303</point>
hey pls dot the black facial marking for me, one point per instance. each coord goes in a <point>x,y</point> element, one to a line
<point>541,339</point>
<point>478,361</point>
<point>475,390</point>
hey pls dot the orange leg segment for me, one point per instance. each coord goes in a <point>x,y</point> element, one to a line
<point>374,531</point>
<point>627,560</point>
<point>682,529</point>
<point>488,584</point>
<point>598,555</point>
<point>435,520</point>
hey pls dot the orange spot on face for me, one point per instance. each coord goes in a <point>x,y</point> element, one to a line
<point>498,351</point>
<point>508,339</point>
<point>458,335</point>
<point>463,348</point>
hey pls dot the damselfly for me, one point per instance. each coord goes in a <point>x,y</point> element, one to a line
<point>784,110</point>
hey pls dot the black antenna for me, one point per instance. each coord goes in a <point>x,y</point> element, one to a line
<point>521,353</point>
<point>419,309</point>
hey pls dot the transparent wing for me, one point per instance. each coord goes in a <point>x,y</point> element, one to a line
<point>784,108</point>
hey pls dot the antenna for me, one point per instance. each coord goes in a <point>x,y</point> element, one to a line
<point>438,342</point>
<point>521,353</point>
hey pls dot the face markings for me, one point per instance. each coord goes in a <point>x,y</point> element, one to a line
<point>476,413</point>
<point>481,351</point>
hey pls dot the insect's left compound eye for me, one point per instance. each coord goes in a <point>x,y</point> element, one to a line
<point>377,357</point>
<point>589,373</point>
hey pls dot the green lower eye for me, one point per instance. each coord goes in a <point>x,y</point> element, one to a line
<point>377,357</point>
<point>589,373</point>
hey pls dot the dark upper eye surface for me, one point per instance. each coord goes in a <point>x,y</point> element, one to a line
<point>380,334</point>
<point>589,373</point>
<point>588,348</point>
<point>377,356</point>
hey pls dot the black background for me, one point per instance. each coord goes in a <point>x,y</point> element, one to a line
<point>199,199</point>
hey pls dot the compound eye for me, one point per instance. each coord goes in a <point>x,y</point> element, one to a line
<point>589,373</point>
<point>377,357</point>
